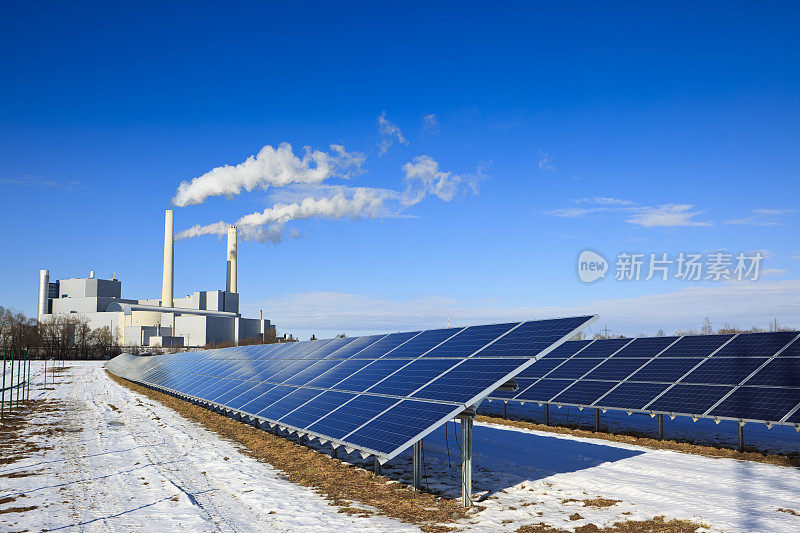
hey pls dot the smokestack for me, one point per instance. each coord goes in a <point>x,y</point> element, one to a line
<point>230,278</point>
<point>44,292</point>
<point>169,258</point>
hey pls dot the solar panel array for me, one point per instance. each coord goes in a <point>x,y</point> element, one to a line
<point>747,376</point>
<point>378,393</point>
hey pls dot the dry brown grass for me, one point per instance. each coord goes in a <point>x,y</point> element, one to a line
<point>15,434</point>
<point>656,525</point>
<point>649,442</point>
<point>788,511</point>
<point>597,503</point>
<point>337,481</point>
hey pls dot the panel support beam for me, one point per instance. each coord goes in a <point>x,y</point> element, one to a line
<point>334,452</point>
<point>741,437</point>
<point>466,462</point>
<point>596,419</point>
<point>377,467</point>
<point>547,414</point>
<point>417,460</point>
<point>660,433</point>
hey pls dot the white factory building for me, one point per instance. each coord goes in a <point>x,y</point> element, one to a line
<point>200,318</point>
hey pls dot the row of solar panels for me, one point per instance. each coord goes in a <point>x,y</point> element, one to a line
<point>378,393</point>
<point>748,376</point>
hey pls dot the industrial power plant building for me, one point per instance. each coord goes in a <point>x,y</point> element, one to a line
<point>198,319</point>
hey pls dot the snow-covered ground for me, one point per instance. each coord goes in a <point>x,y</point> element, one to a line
<point>124,462</point>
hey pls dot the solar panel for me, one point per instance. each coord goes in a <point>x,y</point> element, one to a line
<point>749,376</point>
<point>378,393</point>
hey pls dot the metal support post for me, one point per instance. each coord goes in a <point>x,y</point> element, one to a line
<point>466,462</point>
<point>417,460</point>
<point>45,371</point>
<point>547,414</point>
<point>334,452</point>
<point>596,419</point>
<point>505,409</point>
<point>11,392</point>
<point>377,467</point>
<point>660,426</point>
<point>741,437</point>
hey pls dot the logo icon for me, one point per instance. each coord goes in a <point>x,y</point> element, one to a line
<point>591,266</point>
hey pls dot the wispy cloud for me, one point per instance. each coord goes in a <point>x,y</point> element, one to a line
<point>763,217</point>
<point>430,124</point>
<point>663,216</point>
<point>667,216</point>
<point>545,163</point>
<point>27,180</point>
<point>390,132</point>
<point>603,200</point>
<point>271,167</point>
<point>743,304</point>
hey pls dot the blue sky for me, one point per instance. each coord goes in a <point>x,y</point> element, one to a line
<point>555,128</point>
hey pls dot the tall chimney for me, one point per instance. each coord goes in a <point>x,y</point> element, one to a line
<point>230,278</point>
<point>169,259</point>
<point>44,292</point>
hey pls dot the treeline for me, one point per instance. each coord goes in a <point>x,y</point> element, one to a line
<point>58,337</point>
<point>707,328</point>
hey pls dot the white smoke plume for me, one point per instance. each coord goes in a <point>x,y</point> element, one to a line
<point>302,202</point>
<point>271,167</point>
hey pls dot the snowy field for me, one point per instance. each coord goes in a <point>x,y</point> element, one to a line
<point>126,463</point>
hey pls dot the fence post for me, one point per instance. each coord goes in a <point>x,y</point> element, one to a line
<point>11,386</point>
<point>3,400</point>
<point>45,371</point>
<point>28,383</point>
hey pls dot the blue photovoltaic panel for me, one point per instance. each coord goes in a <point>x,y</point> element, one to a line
<point>793,350</point>
<point>696,346</point>
<point>249,395</point>
<point>413,376</point>
<point>351,416</point>
<point>668,369</point>
<point>352,349</point>
<point>318,368</point>
<point>381,347</point>
<point>629,395</point>
<point>543,390</point>
<point>645,347</point>
<point>268,398</point>
<point>615,369</point>
<point>234,391</point>
<point>758,403</point>
<point>531,338</point>
<point>288,403</point>
<point>756,344</point>
<point>339,373</point>
<point>469,379</point>
<point>568,349</point>
<point>689,399</point>
<point>574,368</point>
<point>780,372</point>
<point>584,392</point>
<point>539,368</point>
<point>400,424</point>
<point>319,406</point>
<point>370,374</point>
<point>470,340</point>
<point>724,371</point>
<point>330,348</point>
<point>602,348</point>
<point>423,342</point>
<point>377,393</point>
